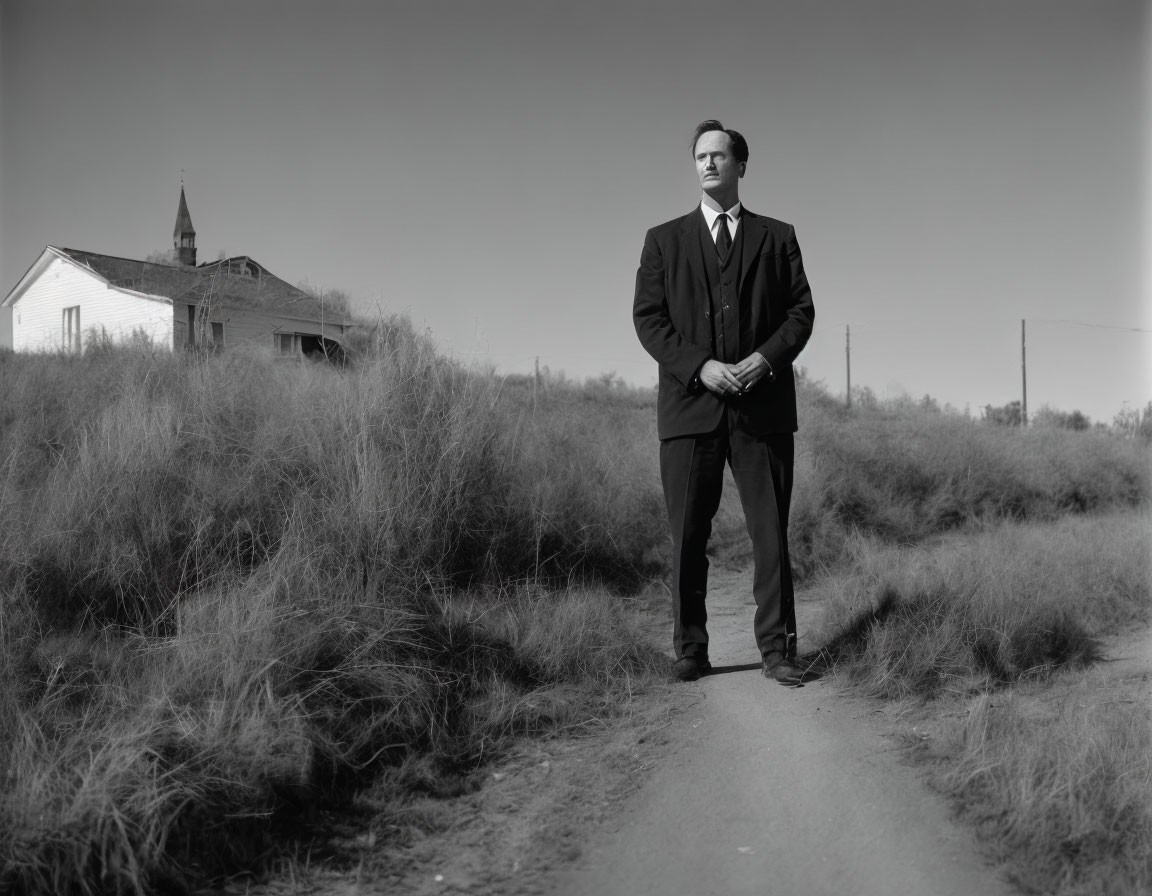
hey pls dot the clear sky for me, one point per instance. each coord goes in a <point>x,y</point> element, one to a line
<point>489,168</point>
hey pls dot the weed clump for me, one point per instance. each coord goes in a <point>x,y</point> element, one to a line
<point>994,608</point>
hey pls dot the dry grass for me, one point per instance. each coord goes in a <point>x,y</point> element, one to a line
<point>128,479</point>
<point>988,609</point>
<point>233,590</point>
<point>1059,781</point>
<point>143,761</point>
<point>992,638</point>
<point>903,473</point>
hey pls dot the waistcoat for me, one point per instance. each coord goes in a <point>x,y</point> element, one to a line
<point>723,294</point>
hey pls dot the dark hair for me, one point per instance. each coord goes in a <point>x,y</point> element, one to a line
<point>739,144</point>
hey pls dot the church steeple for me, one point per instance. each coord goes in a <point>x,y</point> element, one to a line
<point>184,236</point>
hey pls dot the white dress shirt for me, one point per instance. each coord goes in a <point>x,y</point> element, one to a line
<point>712,216</point>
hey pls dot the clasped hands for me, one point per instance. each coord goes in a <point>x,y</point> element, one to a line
<point>734,379</point>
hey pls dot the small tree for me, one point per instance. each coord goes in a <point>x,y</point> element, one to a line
<point>1010,414</point>
<point>1075,420</point>
<point>1134,423</point>
<point>864,398</point>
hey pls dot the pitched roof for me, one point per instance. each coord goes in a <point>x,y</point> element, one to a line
<point>183,219</point>
<point>263,292</point>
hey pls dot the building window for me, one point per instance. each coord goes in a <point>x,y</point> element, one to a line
<point>285,343</point>
<point>72,329</point>
<point>217,334</point>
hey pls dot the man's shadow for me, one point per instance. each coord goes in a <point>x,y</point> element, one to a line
<point>724,670</point>
<point>813,666</point>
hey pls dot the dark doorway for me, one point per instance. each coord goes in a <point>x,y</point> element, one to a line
<point>317,348</point>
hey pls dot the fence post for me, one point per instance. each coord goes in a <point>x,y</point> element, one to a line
<point>848,361</point>
<point>1023,380</point>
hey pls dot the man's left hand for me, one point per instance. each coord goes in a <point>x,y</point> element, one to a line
<point>751,370</point>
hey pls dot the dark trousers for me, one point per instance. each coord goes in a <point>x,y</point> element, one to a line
<point>692,470</point>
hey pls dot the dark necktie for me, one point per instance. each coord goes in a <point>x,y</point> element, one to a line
<point>723,238</point>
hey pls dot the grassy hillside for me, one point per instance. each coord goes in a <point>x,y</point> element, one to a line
<point>236,588</point>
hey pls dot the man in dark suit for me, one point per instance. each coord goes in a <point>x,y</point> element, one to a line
<point>723,305</point>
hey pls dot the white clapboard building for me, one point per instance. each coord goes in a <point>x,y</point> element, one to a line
<point>69,297</point>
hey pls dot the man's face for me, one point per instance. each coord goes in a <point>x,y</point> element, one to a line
<point>718,170</point>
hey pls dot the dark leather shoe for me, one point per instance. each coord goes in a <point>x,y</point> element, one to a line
<point>782,671</point>
<point>689,668</point>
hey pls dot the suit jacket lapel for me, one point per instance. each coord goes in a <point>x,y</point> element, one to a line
<point>755,230</point>
<point>690,245</point>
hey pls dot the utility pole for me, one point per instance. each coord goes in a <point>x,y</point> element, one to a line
<point>535,384</point>
<point>1023,379</point>
<point>848,361</point>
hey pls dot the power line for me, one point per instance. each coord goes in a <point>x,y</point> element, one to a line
<point>1084,323</point>
<point>904,329</point>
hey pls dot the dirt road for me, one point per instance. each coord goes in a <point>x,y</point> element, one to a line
<point>769,790</point>
<point>752,789</point>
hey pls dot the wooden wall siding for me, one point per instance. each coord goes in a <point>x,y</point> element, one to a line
<point>38,315</point>
<point>250,325</point>
<point>180,327</point>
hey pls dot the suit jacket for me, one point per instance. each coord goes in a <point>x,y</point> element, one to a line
<point>775,319</point>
